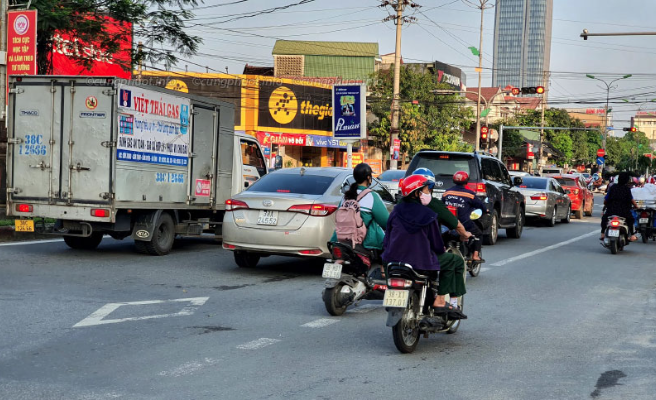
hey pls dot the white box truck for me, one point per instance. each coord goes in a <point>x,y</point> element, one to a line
<point>104,157</point>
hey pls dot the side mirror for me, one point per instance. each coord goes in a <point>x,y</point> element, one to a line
<point>517,180</point>
<point>476,214</point>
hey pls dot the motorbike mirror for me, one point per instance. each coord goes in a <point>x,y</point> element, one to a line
<point>476,214</point>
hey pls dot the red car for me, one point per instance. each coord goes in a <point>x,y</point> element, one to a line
<point>582,198</point>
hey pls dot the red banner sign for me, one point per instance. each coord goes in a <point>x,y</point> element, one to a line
<point>283,139</point>
<point>21,42</point>
<point>356,158</point>
<point>66,49</point>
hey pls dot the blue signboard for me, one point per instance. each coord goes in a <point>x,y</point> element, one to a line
<point>600,161</point>
<point>267,151</point>
<point>327,141</point>
<point>349,112</point>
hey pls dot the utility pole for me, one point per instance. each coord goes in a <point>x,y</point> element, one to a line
<point>398,6</point>
<point>545,84</point>
<point>609,86</point>
<point>482,5</point>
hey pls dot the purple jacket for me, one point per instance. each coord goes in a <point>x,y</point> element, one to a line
<point>413,237</point>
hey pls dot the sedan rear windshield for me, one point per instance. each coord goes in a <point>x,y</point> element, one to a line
<point>444,164</point>
<point>566,182</point>
<point>533,183</point>
<point>292,183</point>
<point>392,175</point>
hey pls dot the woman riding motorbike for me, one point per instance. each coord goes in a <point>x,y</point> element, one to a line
<point>619,202</point>
<point>413,236</point>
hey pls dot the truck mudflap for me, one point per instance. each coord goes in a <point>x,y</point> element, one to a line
<point>145,225</point>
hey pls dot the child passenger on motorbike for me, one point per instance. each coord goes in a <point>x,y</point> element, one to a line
<point>413,236</point>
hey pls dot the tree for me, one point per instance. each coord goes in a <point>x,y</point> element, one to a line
<point>158,23</point>
<point>427,120</point>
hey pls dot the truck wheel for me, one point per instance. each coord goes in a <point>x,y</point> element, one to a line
<point>163,236</point>
<point>84,243</point>
<point>246,260</point>
<point>491,239</point>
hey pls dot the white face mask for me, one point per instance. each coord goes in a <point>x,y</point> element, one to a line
<point>425,198</point>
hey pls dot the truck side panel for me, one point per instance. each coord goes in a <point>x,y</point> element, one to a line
<point>227,156</point>
<point>203,149</point>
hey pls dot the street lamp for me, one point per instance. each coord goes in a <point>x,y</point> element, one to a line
<point>608,87</point>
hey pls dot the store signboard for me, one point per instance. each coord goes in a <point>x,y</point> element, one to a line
<point>21,44</point>
<point>289,139</point>
<point>289,107</point>
<point>349,111</point>
<point>356,158</point>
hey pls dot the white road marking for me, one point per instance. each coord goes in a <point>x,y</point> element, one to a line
<point>189,367</point>
<point>96,318</point>
<point>320,323</point>
<point>545,249</point>
<point>257,344</point>
<point>365,308</point>
<point>31,242</point>
<point>483,269</point>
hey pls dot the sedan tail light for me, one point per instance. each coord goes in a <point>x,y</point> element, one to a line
<point>317,210</point>
<point>539,196</point>
<point>575,191</point>
<point>232,205</point>
<point>312,252</point>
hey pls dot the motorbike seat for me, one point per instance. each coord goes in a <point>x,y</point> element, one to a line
<point>403,267</point>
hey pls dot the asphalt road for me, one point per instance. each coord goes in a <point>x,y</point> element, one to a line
<point>570,321</point>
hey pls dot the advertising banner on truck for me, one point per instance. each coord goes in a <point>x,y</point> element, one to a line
<point>153,127</point>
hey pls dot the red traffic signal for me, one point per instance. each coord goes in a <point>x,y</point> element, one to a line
<point>539,90</point>
<point>484,132</point>
<point>631,129</point>
<point>533,90</point>
<point>515,91</point>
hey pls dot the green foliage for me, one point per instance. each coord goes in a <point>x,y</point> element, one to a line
<point>158,23</point>
<point>435,122</point>
<point>627,153</point>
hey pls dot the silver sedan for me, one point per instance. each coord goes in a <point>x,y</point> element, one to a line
<point>391,178</point>
<point>288,212</point>
<point>546,200</point>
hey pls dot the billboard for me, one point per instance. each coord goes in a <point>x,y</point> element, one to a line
<point>450,75</point>
<point>349,112</point>
<point>67,48</point>
<point>294,108</point>
<point>153,127</point>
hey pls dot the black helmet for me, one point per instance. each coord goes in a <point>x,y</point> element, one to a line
<point>362,172</point>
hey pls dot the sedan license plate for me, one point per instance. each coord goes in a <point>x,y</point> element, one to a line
<point>24,225</point>
<point>614,233</point>
<point>332,271</point>
<point>268,218</point>
<point>396,298</point>
<point>643,221</point>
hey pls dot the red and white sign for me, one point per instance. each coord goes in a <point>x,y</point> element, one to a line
<point>283,139</point>
<point>356,158</point>
<point>598,111</point>
<point>203,188</point>
<point>601,153</point>
<point>21,43</point>
<point>529,152</point>
<point>67,48</point>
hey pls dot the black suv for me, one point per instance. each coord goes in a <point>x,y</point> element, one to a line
<point>488,177</point>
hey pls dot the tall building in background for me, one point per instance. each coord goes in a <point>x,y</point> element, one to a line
<point>522,42</point>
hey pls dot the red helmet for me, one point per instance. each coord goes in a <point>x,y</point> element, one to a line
<point>413,183</point>
<point>461,177</point>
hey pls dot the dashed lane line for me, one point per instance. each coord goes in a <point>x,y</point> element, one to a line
<point>543,250</point>
<point>257,344</point>
<point>320,323</point>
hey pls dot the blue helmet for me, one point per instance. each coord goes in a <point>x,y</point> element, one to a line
<point>425,172</point>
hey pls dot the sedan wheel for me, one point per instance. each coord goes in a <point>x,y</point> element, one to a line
<point>552,221</point>
<point>568,216</point>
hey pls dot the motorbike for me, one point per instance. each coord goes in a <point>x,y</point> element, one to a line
<point>616,235</point>
<point>645,219</point>
<point>351,275</point>
<point>453,242</point>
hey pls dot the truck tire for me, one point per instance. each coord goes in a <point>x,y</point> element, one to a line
<point>163,236</point>
<point>84,243</point>
<point>246,260</point>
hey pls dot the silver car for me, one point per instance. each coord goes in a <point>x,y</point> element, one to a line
<point>546,199</point>
<point>288,212</point>
<point>391,178</point>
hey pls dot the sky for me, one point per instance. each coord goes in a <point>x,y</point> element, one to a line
<point>443,31</point>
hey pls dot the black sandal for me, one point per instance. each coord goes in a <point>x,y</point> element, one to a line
<point>451,311</point>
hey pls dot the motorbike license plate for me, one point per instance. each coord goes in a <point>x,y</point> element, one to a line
<point>268,218</point>
<point>24,225</point>
<point>332,271</point>
<point>396,298</point>
<point>643,221</point>
<point>614,233</point>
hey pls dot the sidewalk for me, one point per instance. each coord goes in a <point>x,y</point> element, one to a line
<point>7,233</point>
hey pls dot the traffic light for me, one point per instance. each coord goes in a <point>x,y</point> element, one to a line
<point>484,136</point>
<point>533,90</point>
<point>515,91</point>
<point>631,129</point>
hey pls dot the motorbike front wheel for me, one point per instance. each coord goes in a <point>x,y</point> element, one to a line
<point>333,299</point>
<point>406,331</point>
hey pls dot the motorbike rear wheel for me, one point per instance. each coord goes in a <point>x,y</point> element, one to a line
<point>644,234</point>
<point>456,324</point>
<point>406,331</point>
<point>613,246</point>
<point>332,298</point>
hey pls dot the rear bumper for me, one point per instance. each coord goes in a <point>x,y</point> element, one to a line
<point>70,213</point>
<point>536,210</point>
